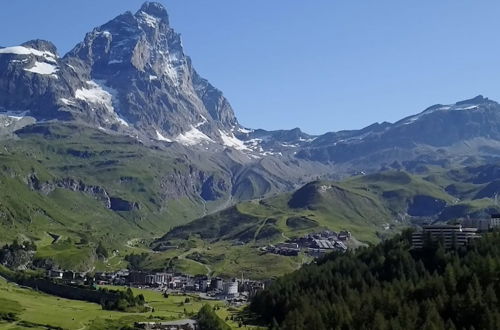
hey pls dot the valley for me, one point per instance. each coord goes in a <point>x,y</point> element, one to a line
<point>68,178</point>
<point>121,165</point>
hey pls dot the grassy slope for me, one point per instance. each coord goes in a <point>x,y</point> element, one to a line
<point>42,309</point>
<point>356,204</point>
<point>125,168</point>
<point>364,205</point>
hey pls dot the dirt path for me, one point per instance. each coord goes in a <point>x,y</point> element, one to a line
<point>183,256</point>
<point>284,236</point>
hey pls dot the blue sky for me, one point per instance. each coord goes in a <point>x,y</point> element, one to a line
<point>320,65</point>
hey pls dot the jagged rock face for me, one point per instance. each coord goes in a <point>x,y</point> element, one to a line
<point>97,192</point>
<point>141,58</point>
<point>119,204</point>
<point>36,82</point>
<point>130,74</point>
<point>194,182</point>
<point>30,79</point>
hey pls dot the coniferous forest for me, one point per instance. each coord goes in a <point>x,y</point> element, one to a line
<point>390,286</point>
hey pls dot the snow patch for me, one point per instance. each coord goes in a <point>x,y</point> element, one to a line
<point>229,140</point>
<point>16,115</point>
<point>148,19</point>
<point>172,63</point>
<point>19,61</point>
<point>254,142</point>
<point>288,145</point>
<point>21,50</point>
<point>245,130</point>
<point>471,107</point>
<point>44,69</point>
<point>98,93</point>
<point>454,107</point>
<point>66,101</point>
<point>270,153</point>
<point>160,137</point>
<point>95,94</point>
<point>203,121</point>
<point>192,137</point>
<point>122,121</point>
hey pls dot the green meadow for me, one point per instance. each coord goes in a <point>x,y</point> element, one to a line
<point>36,310</point>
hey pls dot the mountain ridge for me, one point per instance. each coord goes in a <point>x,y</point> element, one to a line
<point>131,75</point>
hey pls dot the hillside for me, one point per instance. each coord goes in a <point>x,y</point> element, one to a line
<point>372,207</point>
<point>389,286</point>
<point>70,187</point>
<point>31,309</point>
<point>64,183</point>
<point>367,205</point>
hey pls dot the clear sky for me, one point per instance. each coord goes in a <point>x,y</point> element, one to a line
<point>320,65</point>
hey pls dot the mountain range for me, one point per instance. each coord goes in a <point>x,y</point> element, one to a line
<point>131,76</point>
<point>121,138</point>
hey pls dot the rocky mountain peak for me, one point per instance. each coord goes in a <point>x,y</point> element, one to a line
<point>153,11</point>
<point>475,100</point>
<point>139,58</point>
<point>130,75</point>
<point>41,45</point>
<point>461,105</point>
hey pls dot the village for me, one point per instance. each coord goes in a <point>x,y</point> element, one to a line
<point>314,244</point>
<point>238,291</point>
<point>235,291</point>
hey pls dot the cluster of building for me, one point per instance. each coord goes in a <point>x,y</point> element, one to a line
<point>233,290</point>
<point>315,244</point>
<point>457,235</point>
<point>483,225</point>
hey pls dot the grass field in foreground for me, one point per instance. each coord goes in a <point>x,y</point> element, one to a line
<point>37,310</point>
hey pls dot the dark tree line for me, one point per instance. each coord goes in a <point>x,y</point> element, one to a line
<point>208,320</point>
<point>122,300</point>
<point>390,286</point>
<point>17,255</point>
<point>136,261</point>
